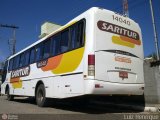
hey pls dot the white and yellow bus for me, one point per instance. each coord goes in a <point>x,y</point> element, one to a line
<point>97,53</point>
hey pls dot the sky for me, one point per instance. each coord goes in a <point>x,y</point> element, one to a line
<point>29,15</point>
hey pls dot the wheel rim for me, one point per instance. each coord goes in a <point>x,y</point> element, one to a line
<point>40,96</point>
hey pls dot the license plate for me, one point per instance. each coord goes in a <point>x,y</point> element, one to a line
<point>123,74</point>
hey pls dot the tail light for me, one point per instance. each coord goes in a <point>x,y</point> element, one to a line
<point>91,65</point>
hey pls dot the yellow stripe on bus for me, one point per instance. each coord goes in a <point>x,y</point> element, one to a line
<point>17,84</point>
<point>70,61</point>
<point>119,41</point>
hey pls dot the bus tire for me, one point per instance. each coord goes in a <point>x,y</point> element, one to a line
<point>41,99</point>
<point>9,97</point>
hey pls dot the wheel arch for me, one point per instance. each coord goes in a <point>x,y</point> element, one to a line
<point>38,83</point>
<point>6,89</point>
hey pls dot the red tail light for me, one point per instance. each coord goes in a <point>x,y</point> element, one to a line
<point>91,59</point>
<point>91,65</point>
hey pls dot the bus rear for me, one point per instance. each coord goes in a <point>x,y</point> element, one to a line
<point>118,54</point>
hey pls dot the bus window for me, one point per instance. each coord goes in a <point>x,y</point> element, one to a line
<point>10,64</point>
<point>39,51</point>
<point>64,40</point>
<point>80,34</point>
<point>56,44</point>
<point>16,62</point>
<point>32,55</point>
<point>22,60</point>
<point>47,47</point>
<point>26,58</point>
<point>13,66</point>
<point>73,37</point>
<point>4,71</point>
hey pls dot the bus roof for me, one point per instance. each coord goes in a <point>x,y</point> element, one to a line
<point>91,10</point>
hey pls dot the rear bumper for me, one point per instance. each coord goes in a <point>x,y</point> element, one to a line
<point>109,88</point>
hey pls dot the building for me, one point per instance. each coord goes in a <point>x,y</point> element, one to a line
<point>47,28</point>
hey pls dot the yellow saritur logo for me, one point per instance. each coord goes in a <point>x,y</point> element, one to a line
<point>126,37</point>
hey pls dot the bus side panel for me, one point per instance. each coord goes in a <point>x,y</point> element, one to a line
<point>56,86</point>
<point>73,83</point>
<point>29,87</point>
<point>68,86</point>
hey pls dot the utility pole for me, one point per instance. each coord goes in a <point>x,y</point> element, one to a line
<point>155,32</point>
<point>12,42</point>
<point>125,8</point>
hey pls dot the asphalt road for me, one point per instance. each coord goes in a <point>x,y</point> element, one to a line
<point>27,106</point>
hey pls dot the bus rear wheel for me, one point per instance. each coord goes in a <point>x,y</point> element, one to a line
<point>41,99</point>
<point>9,97</point>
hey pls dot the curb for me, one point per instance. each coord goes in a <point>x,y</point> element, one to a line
<point>152,109</point>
